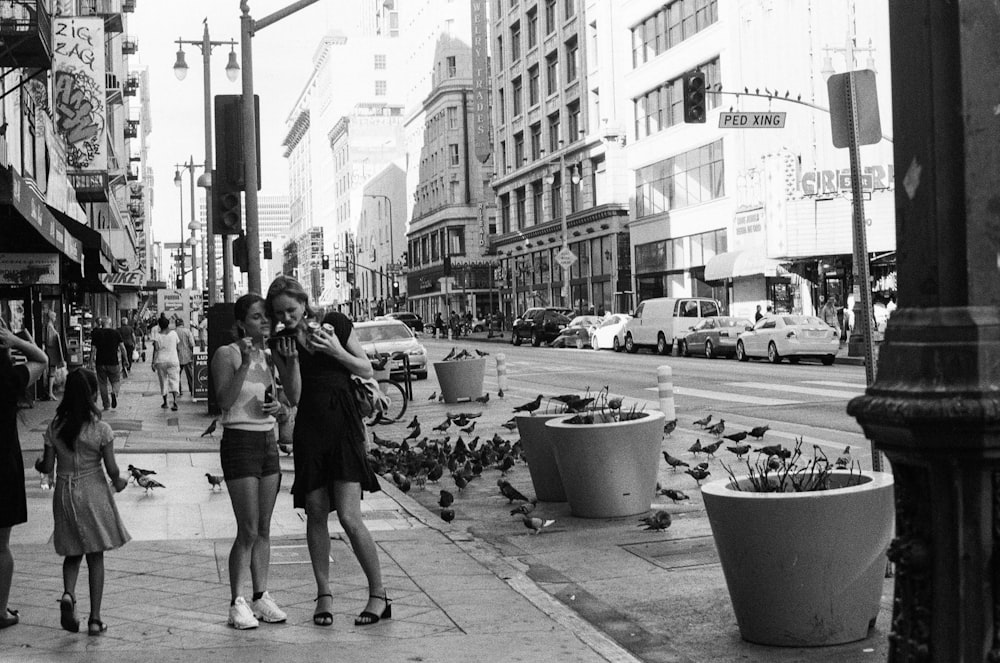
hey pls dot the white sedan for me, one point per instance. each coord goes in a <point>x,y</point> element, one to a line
<point>792,336</point>
<point>610,333</point>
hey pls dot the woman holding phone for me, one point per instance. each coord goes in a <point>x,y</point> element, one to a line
<point>243,373</point>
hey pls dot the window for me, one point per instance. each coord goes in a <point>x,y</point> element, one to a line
<point>452,112</point>
<point>572,56</point>
<point>515,41</point>
<point>453,153</point>
<point>393,24</point>
<point>533,83</point>
<point>503,154</point>
<point>505,213</point>
<point>573,128</point>
<point>499,51</point>
<point>532,27</point>
<point>519,149</point>
<point>536,202</point>
<point>501,109</point>
<point>380,61</point>
<point>669,26</point>
<point>516,93</point>
<point>456,241</point>
<point>689,178</point>
<point>552,73</point>
<point>554,138</point>
<point>555,195</point>
<point>379,88</point>
<point>536,141</point>
<point>550,16</point>
<point>570,7</point>
<point>520,210</point>
<point>452,64</point>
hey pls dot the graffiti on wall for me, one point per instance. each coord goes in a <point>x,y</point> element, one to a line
<point>79,90</point>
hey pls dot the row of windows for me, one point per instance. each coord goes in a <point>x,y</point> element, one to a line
<point>686,179</point>
<point>428,248</point>
<point>671,25</point>
<point>535,149</point>
<point>572,72</point>
<point>595,257</point>
<point>515,205</point>
<point>442,122</point>
<point>663,106</point>
<point>531,26</point>
<point>679,252</point>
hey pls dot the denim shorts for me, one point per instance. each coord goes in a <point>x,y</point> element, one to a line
<point>248,453</point>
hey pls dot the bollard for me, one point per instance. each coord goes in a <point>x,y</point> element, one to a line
<point>665,387</point>
<point>501,372</point>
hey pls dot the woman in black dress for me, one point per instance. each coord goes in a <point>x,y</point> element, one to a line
<point>331,463</point>
<point>13,501</point>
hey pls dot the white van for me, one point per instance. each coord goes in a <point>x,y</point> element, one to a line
<point>662,321</point>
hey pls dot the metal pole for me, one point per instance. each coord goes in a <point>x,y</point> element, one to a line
<point>210,277</point>
<point>194,261</point>
<point>180,196</point>
<point>250,153</point>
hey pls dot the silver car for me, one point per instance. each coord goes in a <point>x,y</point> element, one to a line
<point>389,337</point>
<point>792,336</point>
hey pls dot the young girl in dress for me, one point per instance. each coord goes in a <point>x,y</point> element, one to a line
<point>86,519</point>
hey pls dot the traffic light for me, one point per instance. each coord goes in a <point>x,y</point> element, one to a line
<point>227,213</point>
<point>241,253</point>
<point>694,97</point>
<point>229,156</point>
<point>267,249</point>
<point>180,282</point>
<point>395,288</point>
<point>326,261</point>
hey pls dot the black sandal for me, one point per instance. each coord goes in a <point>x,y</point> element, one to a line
<point>324,618</point>
<point>367,618</point>
<point>6,621</point>
<point>67,613</point>
<point>96,627</point>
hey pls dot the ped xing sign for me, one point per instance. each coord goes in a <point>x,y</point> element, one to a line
<point>752,120</point>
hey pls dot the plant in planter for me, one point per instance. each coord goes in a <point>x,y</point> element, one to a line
<point>460,375</point>
<point>802,546</point>
<point>538,449</point>
<point>608,458</point>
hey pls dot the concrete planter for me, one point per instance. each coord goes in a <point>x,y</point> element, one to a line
<point>541,458</point>
<point>608,470</point>
<point>804,569</point>
<point>460,380</point>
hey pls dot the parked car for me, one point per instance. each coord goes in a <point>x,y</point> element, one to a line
<point>714,337</point>
<point>540,325</point>
<point>577,333</point>
<point>411,320</point>
<point>388,337</point>
<point>662,321</point>
<point>610,333</point>
<point>792,336</point>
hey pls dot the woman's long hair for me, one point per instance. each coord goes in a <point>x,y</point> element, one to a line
<point>286,285</point>
<point>78,406</point>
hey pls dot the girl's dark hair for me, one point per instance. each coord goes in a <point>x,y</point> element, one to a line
<point>241,309</point>
<point>163,322</point>
<point>77,407</point>
<point>286,285</point>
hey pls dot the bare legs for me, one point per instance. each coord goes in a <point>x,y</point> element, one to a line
<point>347,498</point>
<point>95,577</point>
<point>6,569</point>
<point>253,503</point>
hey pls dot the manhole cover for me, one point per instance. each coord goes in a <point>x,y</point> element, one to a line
<point>677,553</point>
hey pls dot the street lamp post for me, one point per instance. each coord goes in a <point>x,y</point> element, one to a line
<point>392,253</point>
<point>248,28</point>
<point>232,69</point>
<point>189,166</point>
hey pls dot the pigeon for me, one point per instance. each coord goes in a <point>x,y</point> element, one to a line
<point>447,515</point>
<point>435,472</point>
<point>669,427</point>
<point>703,422</point>
<point>535,524</point>
<point>138,471</point>
<point>215,480</point>
<point>775,450</point>
<point>285,448</point>
<point>718,428</point>
<point>530,406</point>
<point>444,425</point>
<point>577,404</point>
<point>446,499</point>
<point>460,481</point>
<point>485,398</point>
<point>451,355</point>
<point>401,481</point>
<point>433,396</point>
<point>658,522</point>
<point>510,492</point>
<point>710,449</point>
<point>413,424</point>
<point>698,474</point>
<point>481,353</point>
<point>210,431</point>
<point>675,495</point>
<point>468,429</point>
<point>674,462</point>
<point>757,432</point>
<point>615,403</point>
<point>506,463</point>
<point>740,450</point>
<point>499,393</point>
<point>696,447</point>
<point>414,434</point>
<point>844,460</point>
<point>510,425</point>
<point>737,437</point>
<point>147,483</point>
<point>524,509</point>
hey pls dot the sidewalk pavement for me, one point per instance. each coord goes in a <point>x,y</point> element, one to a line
<point>481,586</point>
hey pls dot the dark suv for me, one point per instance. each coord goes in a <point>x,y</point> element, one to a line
<point>540,325</point>
<point>411,320</point>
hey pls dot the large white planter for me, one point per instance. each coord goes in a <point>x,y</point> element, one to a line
<point>608,470</point>
<point>461,380</point>
<point>541,458</point>
<point>803,569</point>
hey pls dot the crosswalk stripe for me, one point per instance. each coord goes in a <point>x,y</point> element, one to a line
<point>728,396</point>
<point>830,383</point>
<point>798,389</point>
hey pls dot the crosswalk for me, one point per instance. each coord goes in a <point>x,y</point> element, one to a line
<point>760,393</point>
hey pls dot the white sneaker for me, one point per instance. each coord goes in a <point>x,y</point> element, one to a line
<point>240,615</point>
<point>266,610</point>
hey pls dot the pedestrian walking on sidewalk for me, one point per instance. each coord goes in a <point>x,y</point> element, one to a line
<point>13,500</point>
<point>246,392</point>
<point>331,463</point>
<point>185,354</point>
<point>52,340</point>
<point>128,339</point>
<point>108,350</point>
<point>165,362</point>
<point>77,444</point>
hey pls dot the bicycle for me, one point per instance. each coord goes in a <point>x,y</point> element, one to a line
<point>397,403</point>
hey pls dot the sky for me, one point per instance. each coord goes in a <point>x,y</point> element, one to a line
<point>282,63</point>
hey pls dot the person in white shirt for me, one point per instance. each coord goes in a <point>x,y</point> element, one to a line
<point>165,362</point>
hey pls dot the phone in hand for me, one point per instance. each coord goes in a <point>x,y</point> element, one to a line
<point>272,340</point>
<point>269,394</point>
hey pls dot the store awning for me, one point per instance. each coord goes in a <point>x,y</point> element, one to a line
<point>735,264</point>
<point>97,252</point>
<point>16,192</point>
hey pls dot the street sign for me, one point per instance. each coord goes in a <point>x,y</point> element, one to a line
<point>865,93</point>
<point>565,258</point>
<point>752,120</point>
<point>393,268</point>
